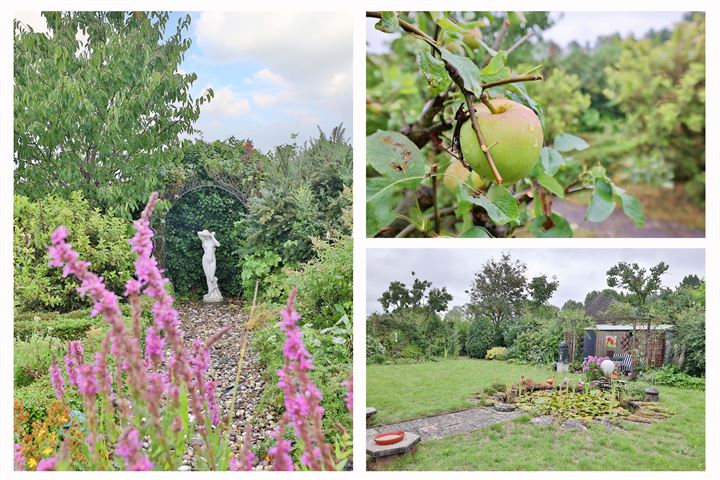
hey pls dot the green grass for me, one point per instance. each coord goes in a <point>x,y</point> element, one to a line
<point>409,391</point>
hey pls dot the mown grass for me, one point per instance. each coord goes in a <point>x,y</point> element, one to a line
<point>409,391</point>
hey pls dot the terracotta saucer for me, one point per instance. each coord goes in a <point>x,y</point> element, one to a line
<point>389,438</point>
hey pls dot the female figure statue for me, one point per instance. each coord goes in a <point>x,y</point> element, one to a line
<point>209,244</point>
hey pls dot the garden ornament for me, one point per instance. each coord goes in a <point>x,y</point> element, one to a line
<point>607,367</point>
<point>209,244</point>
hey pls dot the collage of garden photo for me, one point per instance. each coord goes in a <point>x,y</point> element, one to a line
<point>199,203</point>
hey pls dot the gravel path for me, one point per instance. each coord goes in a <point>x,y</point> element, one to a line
<point>448,424</point>
<point>201,321</point>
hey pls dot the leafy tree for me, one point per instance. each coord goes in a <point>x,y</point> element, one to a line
<point>659,85</point>
<point>480,337</point>
<point>691,280</point>
<point>498,292</point>
<point>541,289</point>
<point>420,296</point>
<point>102,115</point>
<point>572,304</point>
<point>640,284</point>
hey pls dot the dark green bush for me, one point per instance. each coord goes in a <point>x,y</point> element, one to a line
<point>479,338</point>
<point>101,239</point>
<point>671,376</point>
<point>69,326</point>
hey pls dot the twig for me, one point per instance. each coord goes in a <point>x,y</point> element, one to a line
<point>408,27</point>
<point>433,174</point>
<point>411,226</point>
<point>501,34</point>
<point>519,43</point>
<point>521,78</point>
<point>486,101</point>
<point>483,145</point>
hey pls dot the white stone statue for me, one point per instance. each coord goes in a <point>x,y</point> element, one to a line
<point>209,244</point>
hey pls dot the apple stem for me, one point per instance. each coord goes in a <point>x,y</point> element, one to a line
<point>486,101</point>
<point>483,145</point>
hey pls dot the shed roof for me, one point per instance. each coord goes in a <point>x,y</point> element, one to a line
<point>609,327</point>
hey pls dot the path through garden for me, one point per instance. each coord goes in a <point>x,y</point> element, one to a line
<point>202,321</point>
<point>448,424</point>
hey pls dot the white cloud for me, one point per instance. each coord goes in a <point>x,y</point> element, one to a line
<point>306,53</point>
<point>226,103</point>
<point>265,99</point>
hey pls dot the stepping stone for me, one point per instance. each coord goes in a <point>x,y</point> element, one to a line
<point>381,455</point>
<point>505,407</point>
<point>369,412</point>
<point>543,420</point>
<point>573,425</point>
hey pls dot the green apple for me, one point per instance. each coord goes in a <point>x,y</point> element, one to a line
<point>473,38</point>
<point>515,137</point>
<point>456,173</point>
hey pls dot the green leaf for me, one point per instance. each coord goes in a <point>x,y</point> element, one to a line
<point>394,156</point>
<point>560,229</point>
<point>495,70</point>
<point>631,206</point>
<point>602,202</point>
<point>476,232</point>
<point>447,24</point>
<point>388,23</point>
<point>467,70</point>
<point>549,182</point>
<point>566,143</point>
<point>551,160</point>
<point>499,203</point>
<point>432,68</point>
<point>379,207</point>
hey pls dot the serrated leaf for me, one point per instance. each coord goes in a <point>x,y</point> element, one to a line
<point>551,184</point>
<point>602,202</point>
<point>432,68</point>
<point>379,207</point>
<point>566,142</point>
<point>631,206</point>
<point>499,203</point>
<point>551,160</point>
<point>389,22</point>
<point>467,70</point>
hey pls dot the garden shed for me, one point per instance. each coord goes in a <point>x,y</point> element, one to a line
<point>606,340</point>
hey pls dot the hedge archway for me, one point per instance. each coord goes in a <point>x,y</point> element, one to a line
<point>196,206</point>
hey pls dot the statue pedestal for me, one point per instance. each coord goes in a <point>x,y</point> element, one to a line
<point>214,297</point>
<point>562,367</point>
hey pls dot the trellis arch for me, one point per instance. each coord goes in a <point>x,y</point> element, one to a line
<point>174,195</point>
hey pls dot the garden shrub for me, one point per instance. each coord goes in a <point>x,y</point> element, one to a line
<point>671,376</point>
<point>591,368</point>
<point>374,350</point>
<point>33,357</point>
<point>37,396</point>
<point>496,353</point>
<point>99,238</point>
<point>479,338</point>
<point>68,326</point>
<point>689,340</point>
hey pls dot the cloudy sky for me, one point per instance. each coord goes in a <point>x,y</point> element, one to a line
<point>273,74</point>
<point>578,270</point>
<point>571,26</point>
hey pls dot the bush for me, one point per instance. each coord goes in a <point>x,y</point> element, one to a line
<point>374,350</point>
<point>496,353</point>
<point>34,356</point>
<point>671,376</point>
<point>69,326</point>
<point>479,338</point>
<point>689,341</point>
<point>325,284</point>
<point>99,238</point>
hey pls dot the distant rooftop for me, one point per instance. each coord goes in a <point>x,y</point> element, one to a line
<point>607,326</point>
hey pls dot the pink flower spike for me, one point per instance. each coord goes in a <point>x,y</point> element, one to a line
<point>47,464</point>
<point>57,380</point>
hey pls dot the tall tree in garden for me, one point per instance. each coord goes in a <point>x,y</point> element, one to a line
<point>541,289</point>
<point>100,105</point>
<point>573,320</point>
<point>640,284</point>
<point>420,296</point>
<point>498,293</point>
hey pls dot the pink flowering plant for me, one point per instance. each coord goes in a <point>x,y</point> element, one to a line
<point>141,406</point>
<point>591,367</point>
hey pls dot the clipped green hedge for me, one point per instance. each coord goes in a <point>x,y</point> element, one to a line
<point>101,239</point>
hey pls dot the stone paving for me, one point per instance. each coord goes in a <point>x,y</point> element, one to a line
<point>448,424</point>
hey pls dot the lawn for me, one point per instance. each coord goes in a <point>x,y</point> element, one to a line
<point>401,392</point>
